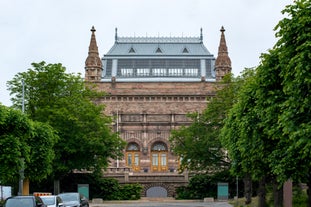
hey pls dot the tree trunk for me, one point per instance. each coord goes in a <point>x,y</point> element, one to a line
<point>248,189</point>
<point>262,193</point>
<point>277,194</point>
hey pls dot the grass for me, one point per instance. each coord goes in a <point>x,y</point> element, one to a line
<point>241,202</point>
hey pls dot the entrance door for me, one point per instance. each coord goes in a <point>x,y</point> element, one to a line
<point>132,156</point>
<point>159,157</point>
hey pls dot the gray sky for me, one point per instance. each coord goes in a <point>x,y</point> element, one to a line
<point>58,31</point>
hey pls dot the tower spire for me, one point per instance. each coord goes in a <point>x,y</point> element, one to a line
<point>223,62</point>
<point>93,63</point>
<point>201,35</point>
<point>116,35</point>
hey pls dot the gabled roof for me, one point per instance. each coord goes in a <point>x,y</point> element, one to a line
<point>157,46</point>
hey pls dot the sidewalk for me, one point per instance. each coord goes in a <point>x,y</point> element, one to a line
<point>152,202</point>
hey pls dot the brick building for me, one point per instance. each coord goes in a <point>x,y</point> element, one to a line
<point>151,84</point>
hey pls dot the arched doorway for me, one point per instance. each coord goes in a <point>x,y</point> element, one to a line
<point>132,156</point>
<point>156,192</point>
<point>159,157</point>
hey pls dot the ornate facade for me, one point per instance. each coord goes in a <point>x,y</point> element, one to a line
<point>152,83</point>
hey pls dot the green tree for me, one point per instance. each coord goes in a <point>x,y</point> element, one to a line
<point>41,157</point>
<point>272,118</point>
<point>14,131</point>
<point>199,145</point>
<point>243,137</point>
<point>293,48</point>
<point>65,102</point>
<point>24,144</point>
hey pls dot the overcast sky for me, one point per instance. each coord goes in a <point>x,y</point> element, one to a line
<point>58,31</point>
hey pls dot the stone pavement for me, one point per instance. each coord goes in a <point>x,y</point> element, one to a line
<point>160,202</point>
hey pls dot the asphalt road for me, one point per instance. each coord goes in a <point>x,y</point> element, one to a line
<point>162,204</point>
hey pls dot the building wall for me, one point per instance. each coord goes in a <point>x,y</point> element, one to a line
<point>145,113</point>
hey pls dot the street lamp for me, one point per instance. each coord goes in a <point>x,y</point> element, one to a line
<point>21,172</point>
<point>23,95</point>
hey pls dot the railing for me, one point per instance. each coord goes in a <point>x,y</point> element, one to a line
<point>125,175</point>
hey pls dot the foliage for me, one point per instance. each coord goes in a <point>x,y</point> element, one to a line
<point>127,192</point>
<point>41,157</point>
<point>293,49</point>
<point>99,187</point>
<point>204,185</point>
<point>198,144</point>
<point>65,102</point>
<point>14,130</point>
<point>300,197</point>
<point>24,144</point>
<point>270,123</point>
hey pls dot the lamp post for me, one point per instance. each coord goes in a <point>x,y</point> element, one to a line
<point>21,172</point>
<point>23,95</point>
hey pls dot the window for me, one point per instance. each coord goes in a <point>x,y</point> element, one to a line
<point>158,50</point>
<point>175,72</point>
<point>132,50</point>
<point>191,72</point>
<point>159,146</point>
<point>126,72</point>
<point>159,72</point>
<point>185,50</point>
<point>132,147</point>
<point>163,159</point>
<point>142,71</point>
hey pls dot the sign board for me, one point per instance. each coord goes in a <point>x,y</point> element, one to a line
<point>5,192</point>
<point>222,191</point>
<point>84,190</point>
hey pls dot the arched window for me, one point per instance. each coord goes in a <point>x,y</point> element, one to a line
<point>159,146</point>
<point>159,157</point>
<point>132,156</point>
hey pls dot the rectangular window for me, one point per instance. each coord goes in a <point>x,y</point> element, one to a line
<point>155,160</point>
<point>127,72</point>
<point>191,72</point>
<point>175,72</point>
<point>109,68</point>
<point>142,71</point>
<point>129,159</point>
<point>136,159</point>
<point>163,159</point>
<point>159,72</point>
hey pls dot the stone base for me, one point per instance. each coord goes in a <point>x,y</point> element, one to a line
<point>209,199</point>
<point>97,200</point>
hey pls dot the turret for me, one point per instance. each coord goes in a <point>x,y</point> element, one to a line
<point>223,62</point>
<point>93,63</point>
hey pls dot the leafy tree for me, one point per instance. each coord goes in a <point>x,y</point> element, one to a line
<point>205,185</point>
<point>14,130</point>
<point>24,144</point>
<point>293,47</point>
<point>242,136</point>
<point>41,157</point>
<point>275,111</point>
<point>199,145</point>
<point>65,102</point>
